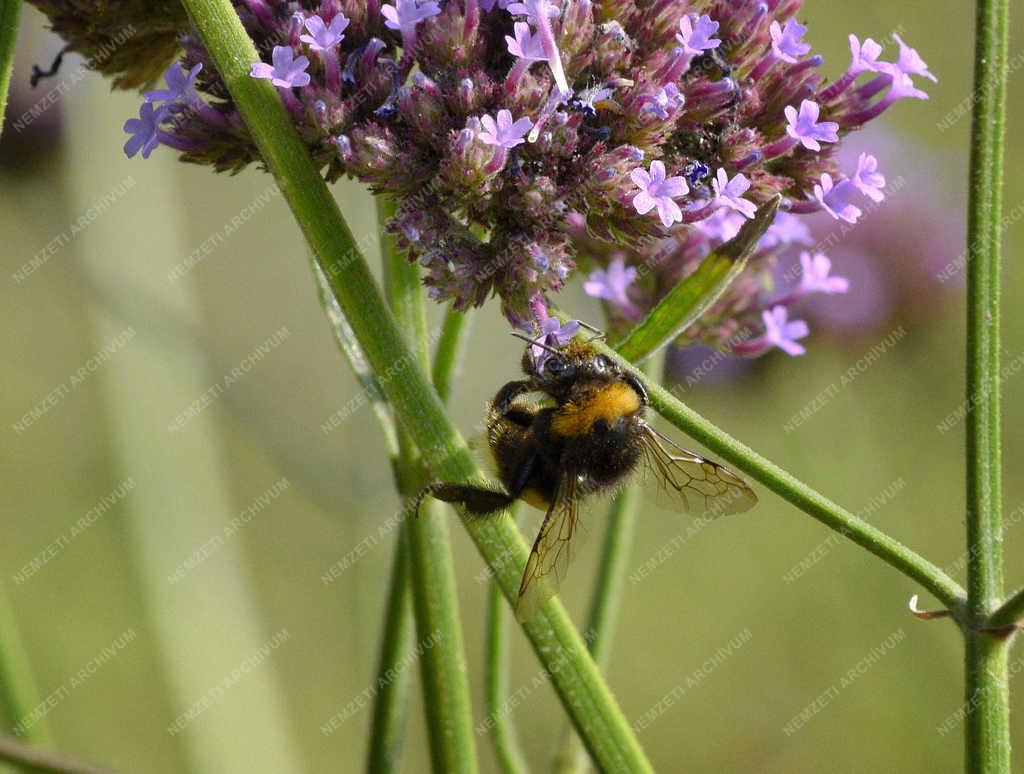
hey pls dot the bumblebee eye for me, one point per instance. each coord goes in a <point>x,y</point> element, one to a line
<point>554,366</point>
<point>601,364</point>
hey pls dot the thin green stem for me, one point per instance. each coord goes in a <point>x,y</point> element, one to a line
<point>396,642</point>
<point>559,647</point>
<point>502,730</point>
<point>450,349</point>
<point>986,653</point>
<point>18,692</point>
<point>688,300</point>
<point>435,600</point>
<point>345,338</point>
<point>800,494</point>
<point>1010,613</point>
<point>32,759</point>
<point>604,608</point>
<point>10,13</point>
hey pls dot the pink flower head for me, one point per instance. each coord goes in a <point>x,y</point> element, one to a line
<point>658,191</point>
<point>286,72</point>
<point>804,126</point>
<point>782,332</point>
<point>503,132</point>
<point>787,41</point>
<point>815,278</point>
<point>729,193</point>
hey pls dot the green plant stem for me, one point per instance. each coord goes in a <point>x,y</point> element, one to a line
<point>987,690</point>
<point>32,759</point>
<point>559,647</point>
<point>18,692</point>
<point>10,13</point>
<point>443,662</point>
<point>1010,613</point>
<point>450,349</point>
<point>502,729</point>
<point>604,608</point>
<point>800,494</point>
<point>389,706</point>
<point>694,294</point>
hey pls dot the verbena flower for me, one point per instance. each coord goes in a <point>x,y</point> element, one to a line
<point>653,130</point>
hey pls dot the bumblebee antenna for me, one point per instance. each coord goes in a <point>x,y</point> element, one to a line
<point>536,343</point>
<point>599,335</point>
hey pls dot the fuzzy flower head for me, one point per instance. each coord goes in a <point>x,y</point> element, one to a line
<point>533,144</point>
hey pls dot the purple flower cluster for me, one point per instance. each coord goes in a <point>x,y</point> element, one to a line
<point>524,139</point>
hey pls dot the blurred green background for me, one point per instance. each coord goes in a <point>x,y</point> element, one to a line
<point>180,640</point>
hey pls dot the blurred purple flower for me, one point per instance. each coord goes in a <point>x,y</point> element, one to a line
<point>815,277</point>
<point>782,332</point>
<point>612,285</point>
<point>835,198</point>
<point>868,179</point>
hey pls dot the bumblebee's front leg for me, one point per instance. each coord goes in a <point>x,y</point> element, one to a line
<point>502,401</point>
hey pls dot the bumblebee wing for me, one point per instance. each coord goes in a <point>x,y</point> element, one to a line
<point>552,550</point>
<point>684,478</point>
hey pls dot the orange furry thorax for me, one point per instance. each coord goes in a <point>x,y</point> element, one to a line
<point>608,402</point>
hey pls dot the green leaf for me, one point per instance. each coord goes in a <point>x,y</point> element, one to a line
<point>692,297</point>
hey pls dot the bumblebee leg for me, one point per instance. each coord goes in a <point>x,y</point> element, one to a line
<point>503,399</point>
<point>638,387</point>
<point>475,499</point>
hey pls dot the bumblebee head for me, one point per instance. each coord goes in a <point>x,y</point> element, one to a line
<point>558,369</point>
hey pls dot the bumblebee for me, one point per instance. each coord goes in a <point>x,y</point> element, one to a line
<point>589,441</point>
